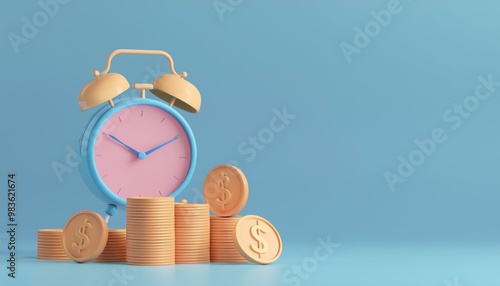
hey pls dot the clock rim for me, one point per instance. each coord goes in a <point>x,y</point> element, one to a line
<point>89,135</point>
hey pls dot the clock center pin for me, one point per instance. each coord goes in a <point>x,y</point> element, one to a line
<point>142,155</point>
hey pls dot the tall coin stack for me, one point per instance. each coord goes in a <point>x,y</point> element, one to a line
<point>150,231</point>
<point>226,191</point>
<point>192,233</point>
<point>50,245</point>
<point>115,250</point>
<point>222,246</point>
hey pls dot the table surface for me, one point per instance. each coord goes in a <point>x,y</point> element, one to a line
<point>440,264</point>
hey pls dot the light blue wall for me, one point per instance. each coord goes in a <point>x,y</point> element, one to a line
<point>323,173</point>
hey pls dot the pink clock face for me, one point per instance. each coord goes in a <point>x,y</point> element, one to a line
<point>142,150</point>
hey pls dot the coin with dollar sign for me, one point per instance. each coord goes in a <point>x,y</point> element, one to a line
<point>84,236</point>
<point>225,190</point>
<point>257,239</point>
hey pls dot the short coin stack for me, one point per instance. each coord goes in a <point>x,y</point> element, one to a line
<point>226,191</point>
<point>150,231</point>
<point>222,246</point>
<point>115,250</point>
<point>192,233</point>
<point>50,245</point>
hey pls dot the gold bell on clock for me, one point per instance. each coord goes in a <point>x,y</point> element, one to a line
<point>172,88</point>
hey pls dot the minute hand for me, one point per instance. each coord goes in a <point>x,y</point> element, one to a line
<point>161,145</point>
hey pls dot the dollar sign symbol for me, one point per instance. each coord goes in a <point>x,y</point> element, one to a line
<point>225,194</point>
<point>81,234</point>
<point>262,245</point>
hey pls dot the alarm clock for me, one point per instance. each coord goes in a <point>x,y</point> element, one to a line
<point>137,146</point>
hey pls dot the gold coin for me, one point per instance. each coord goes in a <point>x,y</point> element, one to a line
<point>132,227</point>
<point>197,247</point>
<point>192,254</point>
<point>194,213</point>
<point>220,219</point>
<point>50,244</point>
<point>132,246</point>
<point>192,250</point>
<point>151,259</point>
<point>192,257</point>
<point>232,250</point>
<point>189,260</point>
<point>152,234</point>
<point>113,254</point>
<point>53,258</point>
<point>150,215</point>
<point>192,207</point>
<point>163,220</point>
<point>193,243</point>
<point>222,243</point>
<point>192,236</point>
<point>192,226</point>
<point>149,199</point>
<point>192,261</point>
<point>149,244</point>
<point>194,229</point>
<point>193,217</point>
<point>151,238</point>
<point>84,236</point>
<point>221,237</point>
<point>227,257</point>
<point>145,209</point>
<point>220,252</point>
<point>51,254</point>
<point>180,237</point>
<point>219,260</point>
<point>150,254</point>
<point>135,226</point>
<point>221,231</point>
<point>151,263</point>
<point>225,190</point>
<point>55,231</point>
<point>257,240</point>
<point>157,253</point>
<point>191,212</point>
<point>200,230</point>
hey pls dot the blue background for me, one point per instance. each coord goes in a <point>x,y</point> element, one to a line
<point>322,175</point>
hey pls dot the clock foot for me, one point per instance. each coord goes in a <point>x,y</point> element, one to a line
<point>110,211</point>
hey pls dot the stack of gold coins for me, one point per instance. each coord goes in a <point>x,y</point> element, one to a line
<point>150,231</point>
<point>222,245</point>
<point>226,192</point>
<point>192,233</point>
<point>50,245</point>
<point>116,247</point>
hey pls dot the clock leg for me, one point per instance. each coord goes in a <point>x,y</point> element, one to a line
<point>110,211</point>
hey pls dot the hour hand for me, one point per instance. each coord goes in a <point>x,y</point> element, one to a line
<point>123,144</point>
<point>161,145</point>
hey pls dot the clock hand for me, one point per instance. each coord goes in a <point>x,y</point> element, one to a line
<point>123,144</point>
<point>161,145</point>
